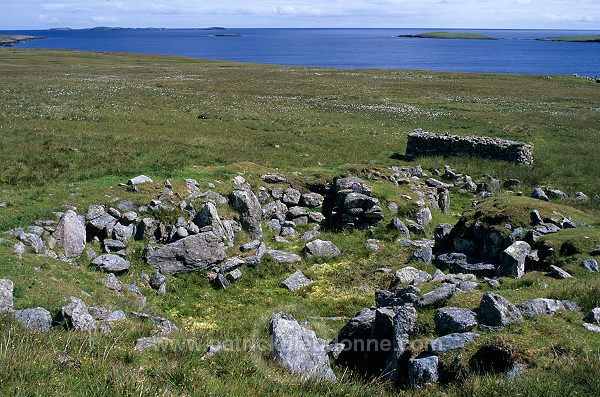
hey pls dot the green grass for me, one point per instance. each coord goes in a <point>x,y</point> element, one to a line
<point>451,35</point>
<point>574,39</point>
<point>74,125</point>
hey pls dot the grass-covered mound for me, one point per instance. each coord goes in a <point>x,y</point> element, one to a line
<point>574,39</point>
<point>450,35</point>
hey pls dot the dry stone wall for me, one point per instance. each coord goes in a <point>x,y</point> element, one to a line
<point>421,143</point>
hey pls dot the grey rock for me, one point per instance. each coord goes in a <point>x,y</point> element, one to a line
<point>152,342</point>
<point>138,180</point>
<point>468,286</point>
<point>164,326</point>
<point>593,316</point>
<point>423,254</point>
<point>273,178</point>
<point>459,263</point>
<point>94,211</point>
<point>297,348</point>
<point>424,217</point>
<point>19,249</point>
<point>438,296</point>
<point>316,217</point>
<point>297,211</point>
<point>157,280</point>
<point>277,193</point>
<point>212,351</point>
<point>246,203</point>
<point>234,275</point>
<point>442,237</point>
<point>454,320</point>
<point>123,232</point>
<point>275,210</point>
<point>112,282</point>
<point>33,241</point>
<point>36,320</point>
<point>451,342</point>
<point>291,197</point>
<point>536,217</point>
<point>423,370</point>
<point>275,226</point>
<point>512,260</point>
<point>555,194</point>
<point>397,224</point>
<point>6,296</point>
<point>403,325</point>
<point>494,310</point>
<point>516,370</point>
<point>283,257</point>
<point>113,245</point>
<point>393,207</point>
<point>296,281</point>
<point>321,248</point>
<point>590,265</point>
<point>312,200</point>
<point>251,246</point>
<point>580,196</point>
<point>591,327</point>
<point>539,306</point>
<point>359,200</point>
<point>355,332</point>
<point>406,275</point>
<point>372,244</point>
<point>116,316</point>
<point>111,263</point>
<point>208,216</point>
<point>310,235</point>
<point>193,253</point>
<point>539,194</point>
<point>76,313</point>
<point>559,273</point>
<point>219,281</point>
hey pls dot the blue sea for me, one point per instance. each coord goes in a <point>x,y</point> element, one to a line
<point>516,52</point>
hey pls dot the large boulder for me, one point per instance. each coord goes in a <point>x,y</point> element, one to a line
<point>297,348</point>
<point>70,235</point>
<point>450,320</point>
<point>321,248</point>
<point>356,332</point>
<point>37,319</point>
<point>6,296</point>
<point>111,263</point>
<point>193,253</point>
<point>246,203</point>
<point>512,260</point>
<point>495,311</point>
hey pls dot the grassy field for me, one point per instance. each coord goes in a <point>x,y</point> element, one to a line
<point>575,39</point>
<point>451,35</point>
<point>74,125</point>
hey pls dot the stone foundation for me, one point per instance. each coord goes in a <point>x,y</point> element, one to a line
<point>421,143</point>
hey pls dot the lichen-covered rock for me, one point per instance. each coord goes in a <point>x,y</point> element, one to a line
<point>77,315</point>
<point>403,325</point>
<point>6,296</point>
<point>284,257</point>
<point>152,342</point>
<point>454,320</point>
<point>111,263</point>
<point>193,253</point>
<point>70,235</point>
<point>321,248</point>
<point>494,310</point>
<point>512,260</point>
<point>406,275</point>
<point>37,319</point>
<point>451,342</point>
<point>297,348</point>
<point>438,296</point>
<point>296,281</point>
<point>538,306</point>
<point>246,203</point>
<point>423,370</point>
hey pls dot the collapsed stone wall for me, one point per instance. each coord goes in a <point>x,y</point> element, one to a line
<point>421,143</point>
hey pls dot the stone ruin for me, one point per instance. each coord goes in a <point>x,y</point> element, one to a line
<point>421,143</point>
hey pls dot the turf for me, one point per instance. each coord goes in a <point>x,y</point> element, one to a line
<point>451,35</point>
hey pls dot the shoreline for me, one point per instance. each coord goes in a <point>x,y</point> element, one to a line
<point>9,41</point>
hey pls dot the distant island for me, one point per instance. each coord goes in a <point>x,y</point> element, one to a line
<point>7,41</point>
<point>214,28</point>
<point>227,35</point>
<point>60,28</point>
<point>448,35</point>
<point>574,39</point>
<point>105,28</point>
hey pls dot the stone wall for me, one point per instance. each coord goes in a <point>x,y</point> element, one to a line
<point>421,143</point>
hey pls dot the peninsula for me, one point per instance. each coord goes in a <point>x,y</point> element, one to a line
<point>7,41</point>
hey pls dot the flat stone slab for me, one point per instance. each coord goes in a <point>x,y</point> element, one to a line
<point>451,342</point>
<point>296,281</point>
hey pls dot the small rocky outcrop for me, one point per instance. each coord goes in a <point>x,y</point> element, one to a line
<point>297,348</point>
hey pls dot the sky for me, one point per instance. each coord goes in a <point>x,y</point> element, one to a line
<point>491,14</point>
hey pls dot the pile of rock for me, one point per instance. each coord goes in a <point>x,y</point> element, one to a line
<point>353,204</point>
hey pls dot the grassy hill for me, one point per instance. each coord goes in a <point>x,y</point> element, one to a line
<point>74,125</point>
<point>450,35</point>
